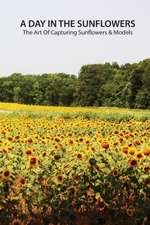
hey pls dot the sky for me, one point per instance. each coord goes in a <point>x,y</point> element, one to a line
<point>46,54</point>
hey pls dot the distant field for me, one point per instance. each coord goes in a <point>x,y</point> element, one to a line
<point>74,165</point>
<point>108,113</point>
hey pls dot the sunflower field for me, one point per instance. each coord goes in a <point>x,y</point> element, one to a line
<point>74,166</point>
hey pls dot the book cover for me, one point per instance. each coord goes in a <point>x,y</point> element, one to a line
<point>75,112</point>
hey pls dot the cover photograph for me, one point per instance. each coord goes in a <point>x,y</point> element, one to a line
<point>75,112</point>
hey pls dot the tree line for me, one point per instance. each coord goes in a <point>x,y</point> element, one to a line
<point>108,84</point>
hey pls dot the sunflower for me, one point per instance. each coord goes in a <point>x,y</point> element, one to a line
<point>59,179</point>
<point>70,141</point>
<point>123,179</point>
<point>71,190</point>
<point>17,137</point>
<point>137,142</point>
<point>44,182</point>
<point>146,152</point>
<point>77,177</point>
<point>105,145</point>
<point>79,156</point>
<point>147,182</point>
<point>69,134</point>
<point>116,132</point>
<point>33,161</point>
<point>56,146</point>
<point>49,211</point>
<point>44,154</point>
<point>90,192</point>
<point>121,140</point>
<point>132,162</point>
<point>82,208</point>
<point>6,173</point>
<point>10,138</point>
<point>28,152</point>
<point>80,139</point>
<point>57,139</point>
<point>147,169</point>
<point>90,199</point>
<point>130,211</point>
<point>125,149</point>
<point>115,172</point>
<point>16,222</point>
<point>29,141</point>
<point>139,155</point>
<point>87,141</point>
<point>93,149</point>
<point>22,180</point>
<point>115,144</point>
<point>132,151</point>
<point>101,205</point>
<point>57,157</point>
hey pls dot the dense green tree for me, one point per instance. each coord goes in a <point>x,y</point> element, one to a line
<point>143,95</point>
<point>106,84</point>
<point>91,79</point>
<point>136,84</point>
